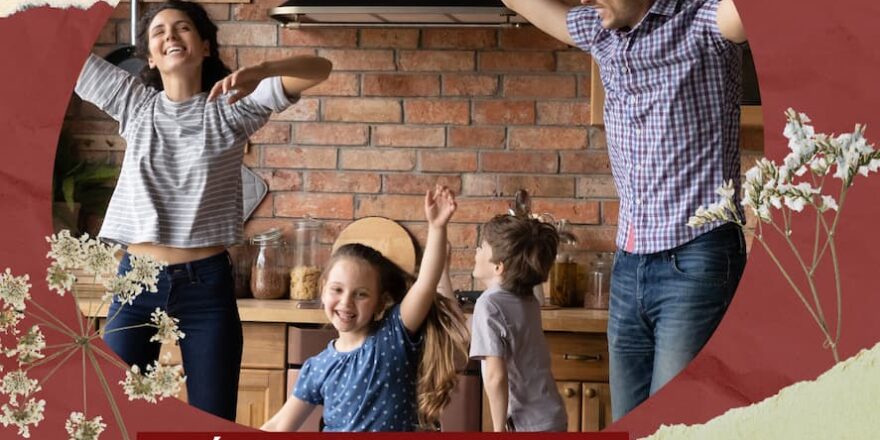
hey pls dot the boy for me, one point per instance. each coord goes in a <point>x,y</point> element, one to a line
<point>515,255</point>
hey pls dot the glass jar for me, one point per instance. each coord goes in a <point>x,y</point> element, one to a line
<point>563,274</point>
<point>599,282</point>
<point>242,256</point>
<point>306,272</point>
<point>269,276</point>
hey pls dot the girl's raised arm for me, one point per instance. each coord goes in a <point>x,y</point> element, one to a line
<point>290,417</point>
<point>439,207</point>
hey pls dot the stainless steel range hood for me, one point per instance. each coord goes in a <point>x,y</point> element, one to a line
<point>390,13</point>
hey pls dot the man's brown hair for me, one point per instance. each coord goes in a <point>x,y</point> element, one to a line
<point>527,248</point>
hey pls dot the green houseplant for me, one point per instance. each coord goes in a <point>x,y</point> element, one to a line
<point>79,187</point>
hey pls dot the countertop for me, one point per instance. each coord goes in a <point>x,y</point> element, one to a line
<point>573,319</point>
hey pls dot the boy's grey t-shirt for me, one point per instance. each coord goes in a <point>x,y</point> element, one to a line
<point>509,326</point>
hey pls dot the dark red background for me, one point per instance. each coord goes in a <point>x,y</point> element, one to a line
<point>818,57</point>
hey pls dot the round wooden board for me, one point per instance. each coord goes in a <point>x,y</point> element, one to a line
<point>384,235</point>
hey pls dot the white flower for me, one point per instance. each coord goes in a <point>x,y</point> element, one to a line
<point>17,382</point>
<point>22,416</point>
<point>820,165</point>
<point>828,202</point>
<point>98,258</point>
<point>66,250</point>
<point>59,279</point>
<point>30,346</point>
<point>14,291</point>
<point>795,203</point>
<point>9,319</point>
<point>726,191</point>
<point>167,379</point>
<point>167,330</point>
<point>125,287</point>
<point>137,385</point>
<point>145,270</point>
<point>160,381</point>
<point>78,428</point>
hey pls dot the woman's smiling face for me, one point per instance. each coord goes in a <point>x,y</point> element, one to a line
<point>174,43</point>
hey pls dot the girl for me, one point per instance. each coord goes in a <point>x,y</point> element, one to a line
<point>367,378</point>
<point>178,198</point>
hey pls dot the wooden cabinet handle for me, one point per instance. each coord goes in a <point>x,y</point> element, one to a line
<point>582,357</point>
<point>590,393</point>
<point>569,392</point>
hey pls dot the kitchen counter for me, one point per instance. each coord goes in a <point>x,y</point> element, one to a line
<point>573,319</point>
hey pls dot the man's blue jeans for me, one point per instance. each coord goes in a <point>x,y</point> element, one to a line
<point>664,307</point>
<point>200,294</point>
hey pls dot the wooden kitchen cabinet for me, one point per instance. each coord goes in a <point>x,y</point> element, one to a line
<point>260,396</point>
<point>571,400</point>
<point>261,386</point>
<point>595,407</point>
<point>579,362</point>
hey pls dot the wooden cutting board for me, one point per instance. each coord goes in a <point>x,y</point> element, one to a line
<point>384,235</point>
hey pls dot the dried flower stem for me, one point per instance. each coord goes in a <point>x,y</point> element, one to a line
<point>46,359</point>
<point>103,380</point>
<point>70,352</point>
<point>108,357</point>
<point>49,315</point>
<point>119,329</point>
<point>810,283</point>
<point>794,286</point>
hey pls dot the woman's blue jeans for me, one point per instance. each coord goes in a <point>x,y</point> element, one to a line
<point>200,294</point>
<point>664,307</point>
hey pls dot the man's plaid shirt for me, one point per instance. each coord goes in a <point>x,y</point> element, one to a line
<point>673,87</point>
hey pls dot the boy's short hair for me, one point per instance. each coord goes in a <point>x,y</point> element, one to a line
<point>527,248</point>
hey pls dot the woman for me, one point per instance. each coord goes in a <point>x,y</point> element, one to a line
<point>178,198</point>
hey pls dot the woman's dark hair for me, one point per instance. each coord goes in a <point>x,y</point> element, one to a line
<point>213,69</point>
<point>526,246</point>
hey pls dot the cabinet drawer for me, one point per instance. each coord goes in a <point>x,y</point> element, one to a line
<point>305,342</point>
<point>264,347</point>
<point>578,356</point>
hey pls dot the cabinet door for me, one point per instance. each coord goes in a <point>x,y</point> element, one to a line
<point>596,408</point>
<point>260,396</point>
<point>571,399</point>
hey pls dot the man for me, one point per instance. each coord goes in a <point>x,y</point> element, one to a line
<point>671,72</point>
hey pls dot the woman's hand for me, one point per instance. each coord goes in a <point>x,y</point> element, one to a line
<point>439,206</point>
<point>242,82</point>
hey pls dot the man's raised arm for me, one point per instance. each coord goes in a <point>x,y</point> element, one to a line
<point>547,15</point>
<point>729,23</point>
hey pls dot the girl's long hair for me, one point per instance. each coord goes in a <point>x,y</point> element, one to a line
<point>446,335</point>
<point>213,68</point>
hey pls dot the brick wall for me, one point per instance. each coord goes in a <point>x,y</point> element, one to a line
<point>483,111</point>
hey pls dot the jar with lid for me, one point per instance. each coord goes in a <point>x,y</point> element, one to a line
<point>563,274</point>
<point>306,272</point>
<point>269,277</point>
<point>599,282</point>
<point>242,256</point>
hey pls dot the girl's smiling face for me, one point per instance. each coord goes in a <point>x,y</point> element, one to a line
<point>351,298</point>
<point>174,42</point>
